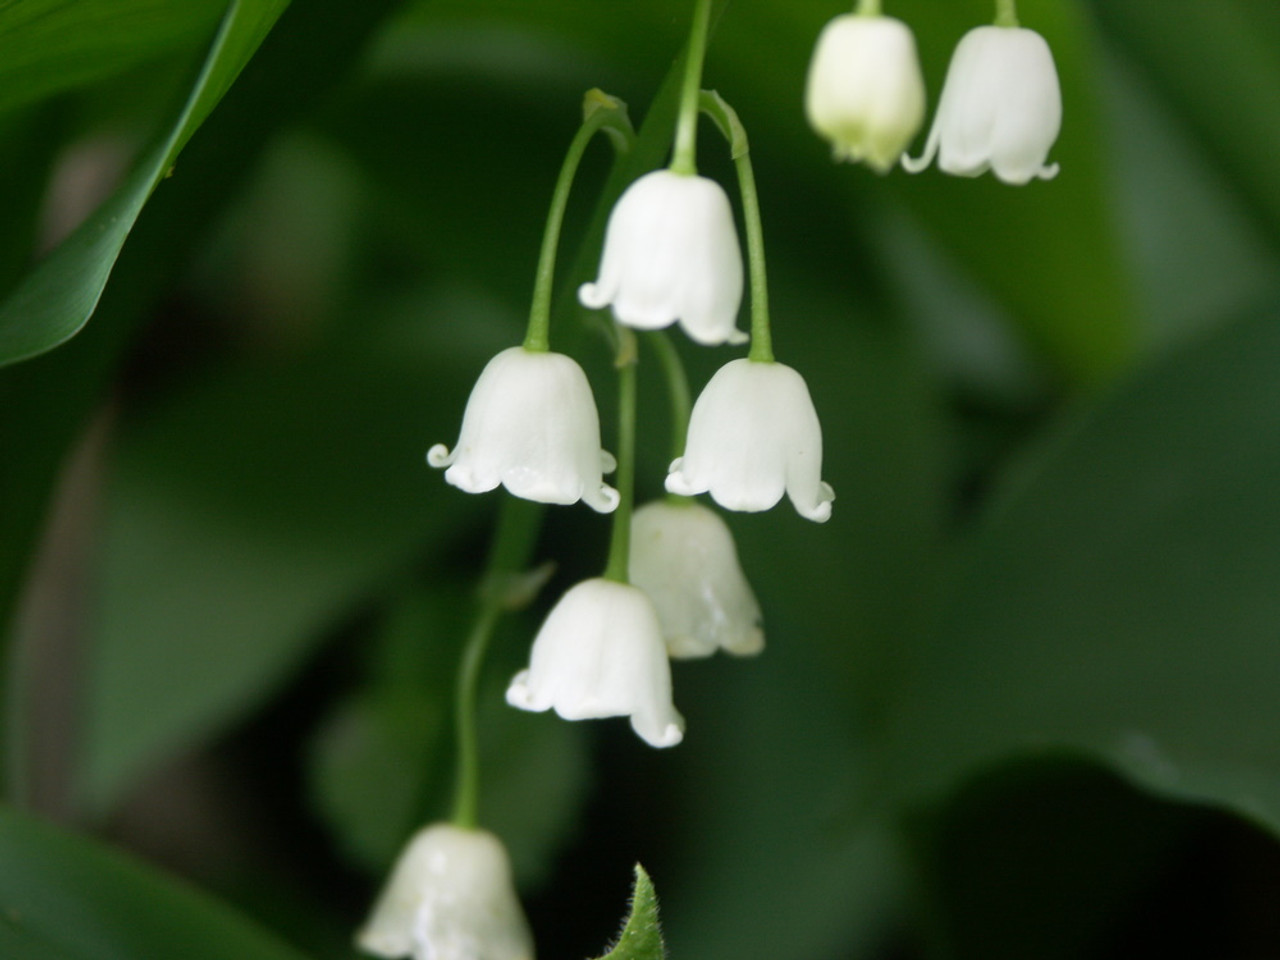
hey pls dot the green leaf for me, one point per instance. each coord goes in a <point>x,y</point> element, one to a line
<point>1122,596</point>
<point>51,46</point>
<point>242,519</point>
<point>57,298</point>
<point>641,938</point>
<point>66,898</point>
<point>1217,63</point>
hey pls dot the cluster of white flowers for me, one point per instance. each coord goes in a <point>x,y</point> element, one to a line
<point>1000,110</point>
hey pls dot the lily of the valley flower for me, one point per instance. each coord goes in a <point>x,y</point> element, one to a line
<point>531,425</point>
<point>865,91</point>
<point>450,897</point>
<point>684,558</point>
<point>600,654</point>
<point>671,253</point>
<point>754,435</point>
<point>1001,108</point>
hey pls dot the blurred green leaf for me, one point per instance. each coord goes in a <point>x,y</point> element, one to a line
<point>60,294</point>
<point>242,519</point>
<point>50,45</point>
<point>641,937</point>
<point>1219,65</point>
<point>66,898</point>
<point>1120,596</point>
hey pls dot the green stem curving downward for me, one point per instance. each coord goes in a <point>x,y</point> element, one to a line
<point>1006,13</point>
<point>600,112</point>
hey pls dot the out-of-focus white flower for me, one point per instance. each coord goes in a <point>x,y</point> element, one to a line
<point>866,91</point>
<point>1001,108</point>
<point>531,425</point>
<point>684,558</point>
<point>754,434</point>
<point>450,897</point>
<point>600,654</point>
<point>671,253</point>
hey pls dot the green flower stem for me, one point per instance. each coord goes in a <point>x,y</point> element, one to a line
<point>600,112</point>
<point>1006,13</point>
<point>726,119</point>
<point>677,388</point>
<point>684,156</point>
<point>619,566</point>
<point>869,8</point>
<point>500,591</point>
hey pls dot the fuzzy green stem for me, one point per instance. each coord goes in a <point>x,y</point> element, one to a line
<point>509,553</point>
<point>601,112</point>
<point>677,388</point>
<point>1006,13</point>
<point>684,157</point>
<point>868,8</point>
<point>619,566</point>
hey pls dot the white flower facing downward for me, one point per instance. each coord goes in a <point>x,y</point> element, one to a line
<point>865,91</point>
<point>1001,108</point>
<point>671,253</point>
<point>531,425</point>
<point>684,558</point>
<point>600,654</point>
<point>450,897</point>
<point>754,435</point>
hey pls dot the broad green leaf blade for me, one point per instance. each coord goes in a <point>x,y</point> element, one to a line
<point>49,46</point>
<point>641,938</point>
<point>1123,597</point>
<point>1219,65</point>
<point>57,298</point>
<point>66,898</point>
<point>242,519</point>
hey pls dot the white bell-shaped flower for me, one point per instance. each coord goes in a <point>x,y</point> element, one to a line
<point>671,253</point>
<point>865,91</point>
<point>450,897</point>
<point>1001,108</point>
<point>531,425</point>
<point>683,556</point>
<point>600,654</point>
<point>753,435</point>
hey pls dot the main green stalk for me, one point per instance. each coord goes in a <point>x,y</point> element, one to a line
<point>619,566</point>
<point>684,157</point>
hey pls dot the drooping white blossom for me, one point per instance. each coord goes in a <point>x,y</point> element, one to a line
<point>600,654</point>
<point>671,253</point>
<point>683,556</point>
<point>754,435</point>
<point>450,897</point>
<point>865,91</point>
<point>531,425</point>
<point>1001,108</point>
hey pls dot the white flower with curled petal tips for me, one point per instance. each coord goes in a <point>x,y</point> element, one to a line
<point>531,425</point>
<point>1001,108</point>
<point>684,558</point>
<point>450,897</point>
<point>865,91</point>
<point>754,435</point>
<point>671,253</point>
<point>600,654</point>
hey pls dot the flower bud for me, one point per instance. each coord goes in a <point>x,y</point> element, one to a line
<point>1001,108</point>
<point>600,654</point>
<point>684,558</point>
<point>531,425</point>
<point>450,897</point>
<point>754,435</point>
<point>671,253</point>
<point>865,91</point>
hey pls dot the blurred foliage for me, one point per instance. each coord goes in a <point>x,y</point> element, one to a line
<point>1019,692</point>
